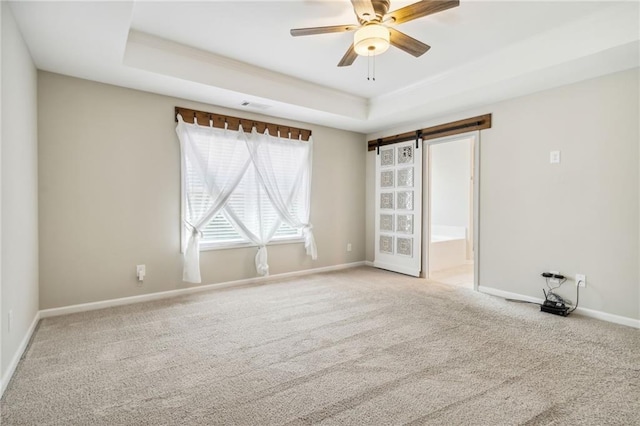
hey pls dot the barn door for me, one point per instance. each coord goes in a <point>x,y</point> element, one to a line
<point>398,219</point>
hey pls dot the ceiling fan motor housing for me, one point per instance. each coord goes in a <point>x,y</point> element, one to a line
<point>381,7</point>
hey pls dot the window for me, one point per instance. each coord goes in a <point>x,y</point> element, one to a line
<point>242,188</point>
<point>249,203</point>
<point>248,214</point>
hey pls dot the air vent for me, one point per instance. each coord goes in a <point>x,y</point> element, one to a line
<point>254,105</point>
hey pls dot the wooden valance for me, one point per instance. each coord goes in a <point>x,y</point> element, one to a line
<point>454,128</point>
<point>233,123</point>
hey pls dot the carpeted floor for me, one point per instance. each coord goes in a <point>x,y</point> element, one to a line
<point>356,347</point>
<point>459,275</point>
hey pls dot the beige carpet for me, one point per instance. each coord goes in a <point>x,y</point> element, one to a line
<point>357,347</point>
<point>458,275</point>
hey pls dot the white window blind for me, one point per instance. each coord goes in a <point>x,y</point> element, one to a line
<point>249,202</point>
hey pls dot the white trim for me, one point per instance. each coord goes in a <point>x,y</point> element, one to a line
<point>507,294</point>
<point>592,313</point>
<point>209,246</point>
<point>426,209</point>
<point>83,307</point>
<point>368,263</point>
<point>604,316</point>
<point>476,208</point>
<point>475,148</point>
<point>11,368</point>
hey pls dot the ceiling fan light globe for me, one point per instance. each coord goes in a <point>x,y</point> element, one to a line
<point>371,40</point>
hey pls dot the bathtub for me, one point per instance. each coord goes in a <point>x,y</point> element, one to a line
<point>448,247</point>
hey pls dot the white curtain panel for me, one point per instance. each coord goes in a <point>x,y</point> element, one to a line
<point>220,159</point>
<point>283,169</point>
<point>275,174</point>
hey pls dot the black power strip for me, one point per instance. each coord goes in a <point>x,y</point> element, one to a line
<point>554,304</point>
<point>554,308</point>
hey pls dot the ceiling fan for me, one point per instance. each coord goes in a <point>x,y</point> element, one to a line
<point>374,35</point>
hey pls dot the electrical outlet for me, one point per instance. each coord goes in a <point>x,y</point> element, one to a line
<point>10,321</point>
<point>581,280</point>
<point>348,246</point>
<point>141,271</point>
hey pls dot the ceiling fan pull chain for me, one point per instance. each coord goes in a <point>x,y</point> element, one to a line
<point>374,68</point>
<point>371,67</point>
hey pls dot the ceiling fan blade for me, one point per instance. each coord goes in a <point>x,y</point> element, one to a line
<point>348,57</point>
<point>322,30</point>
<point>420,9</point>
<point>364,9</point>
<point>406,43</point>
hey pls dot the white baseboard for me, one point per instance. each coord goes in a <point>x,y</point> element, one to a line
<point>368,263</point>
<point>83,307</point>
<point>604,316</point>
<point>507,294</point>
<point>592,313</point>
<point>6,378</point>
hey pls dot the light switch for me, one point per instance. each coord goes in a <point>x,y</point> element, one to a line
<point>554,157</point>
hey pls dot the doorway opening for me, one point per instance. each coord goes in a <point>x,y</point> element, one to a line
<point>450,205</point>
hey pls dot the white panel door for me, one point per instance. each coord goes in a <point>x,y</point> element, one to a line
<point>398,219</point>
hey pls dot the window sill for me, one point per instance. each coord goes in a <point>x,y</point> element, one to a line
<point>226,246</point>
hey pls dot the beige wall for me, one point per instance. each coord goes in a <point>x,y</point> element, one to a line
<point>110,196</point>
<point>19,212</point>
<point>580,216</point>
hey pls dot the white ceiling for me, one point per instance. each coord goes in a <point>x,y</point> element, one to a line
<point>226,52</point>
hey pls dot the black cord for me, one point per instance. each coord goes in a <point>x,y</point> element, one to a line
<point>522,301</point>
<point>558,286</point>
<point>546,295</point>
<point>577,296</point>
